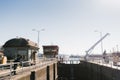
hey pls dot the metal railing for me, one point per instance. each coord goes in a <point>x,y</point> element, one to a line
<point>70,61</point>
<point>102,62</point>
<point>7,70</point>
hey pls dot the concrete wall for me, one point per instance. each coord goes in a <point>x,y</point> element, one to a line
<point>48,72</point>
<point>82,71</point>
<point>23,77</point>
<point>70,72</point>
<point>100,72</point>
<point>87,71</point>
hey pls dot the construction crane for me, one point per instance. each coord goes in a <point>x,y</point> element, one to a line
<point>92,47</point>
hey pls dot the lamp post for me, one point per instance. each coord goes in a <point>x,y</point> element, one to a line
<point>38,33</point>
<point>101,41</point>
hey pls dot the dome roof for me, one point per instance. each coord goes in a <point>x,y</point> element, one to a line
<point>20,42</point>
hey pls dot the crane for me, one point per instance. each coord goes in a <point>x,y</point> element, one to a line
<point>93,46</point>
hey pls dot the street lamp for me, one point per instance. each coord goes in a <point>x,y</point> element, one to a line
<point>101,41</point>
<point>38,31</point>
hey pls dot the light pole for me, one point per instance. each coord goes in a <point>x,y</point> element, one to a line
<point>117,48</point>
<point>101,41</point>
<point>38,33</point>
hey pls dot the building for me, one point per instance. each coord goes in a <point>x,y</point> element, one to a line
<point>20,47</point>
<point>50,51</point>
<point>116,58</point>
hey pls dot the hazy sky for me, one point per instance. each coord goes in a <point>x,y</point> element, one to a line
<point>70,24</point>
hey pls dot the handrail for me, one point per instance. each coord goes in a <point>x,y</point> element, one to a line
<point>9,70</point>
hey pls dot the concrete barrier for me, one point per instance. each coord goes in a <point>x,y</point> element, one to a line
<point>48,72</point>
<point>26,76</point>
<point>87,71</point>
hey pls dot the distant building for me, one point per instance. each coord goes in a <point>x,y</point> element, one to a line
<point>116,57</point>
<point>50,51</point>
<point>116,54</point>
<point>22,47</point>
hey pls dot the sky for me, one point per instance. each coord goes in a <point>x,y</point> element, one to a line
<point>70,24</point>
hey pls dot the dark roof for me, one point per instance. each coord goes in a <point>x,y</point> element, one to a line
<point>20,42</point>
<point>50,46</point>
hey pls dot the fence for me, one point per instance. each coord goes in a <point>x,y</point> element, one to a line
<point>7,70</point>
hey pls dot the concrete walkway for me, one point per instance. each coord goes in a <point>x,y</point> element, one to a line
<point>6,73</point>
